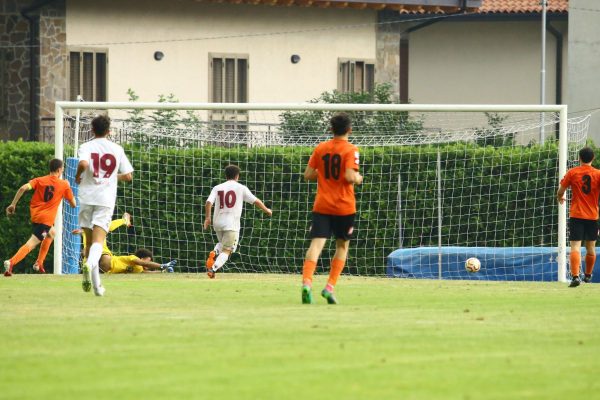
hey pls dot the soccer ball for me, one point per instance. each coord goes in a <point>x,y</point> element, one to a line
<point>36,267</point>
<point>472,264</point>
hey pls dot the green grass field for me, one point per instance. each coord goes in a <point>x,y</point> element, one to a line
<point>247,337</point>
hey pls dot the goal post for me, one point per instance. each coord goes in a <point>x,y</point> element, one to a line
<point>264,120</point>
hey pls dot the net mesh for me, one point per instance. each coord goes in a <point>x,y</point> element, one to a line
<point>475,179</point>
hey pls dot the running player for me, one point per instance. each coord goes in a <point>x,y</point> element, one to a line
<point>584,182</point>
<point>102,164</point>
<point>334,165</point>
<point>228,198</point>
<point>48,193</point>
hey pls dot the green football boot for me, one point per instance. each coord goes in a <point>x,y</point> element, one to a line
<point>86,283</point>
<point>329,296</point>
<point>307,297</point>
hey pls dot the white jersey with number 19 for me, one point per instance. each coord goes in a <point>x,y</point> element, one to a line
<point>99,182</point>
<point>228,199</point>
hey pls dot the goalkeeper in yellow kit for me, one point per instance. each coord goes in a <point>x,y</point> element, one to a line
<point>140,261</point>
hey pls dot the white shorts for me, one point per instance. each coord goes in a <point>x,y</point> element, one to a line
<point>95,215</point>
<point>228,239</point>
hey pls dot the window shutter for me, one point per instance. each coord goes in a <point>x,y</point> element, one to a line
<point>217,82</point>
<point>345,77</point>
<point>3,85</point>
<point>359,74</point>
<point>242,81</point>
<point>88,76</point>
<point>100,77</point>
<point>74,68</point>
<point>229,80</point>
<point>369,77</point>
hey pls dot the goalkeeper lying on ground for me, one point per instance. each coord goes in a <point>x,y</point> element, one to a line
<point>140,261</point>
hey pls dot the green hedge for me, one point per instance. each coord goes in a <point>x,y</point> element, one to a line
<point>491,196</point>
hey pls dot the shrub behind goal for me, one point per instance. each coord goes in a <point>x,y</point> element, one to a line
<point>435,176</point>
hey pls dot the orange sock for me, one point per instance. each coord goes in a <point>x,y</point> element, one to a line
<point>575,260</point>
<point>308,270</point>
<point>589,263</point>
<point>21,254</point>
<point>337,266</point>
<point>44,251</point>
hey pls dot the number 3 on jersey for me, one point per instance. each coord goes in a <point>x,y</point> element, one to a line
<point>106,163</point>
<point>226,199</point>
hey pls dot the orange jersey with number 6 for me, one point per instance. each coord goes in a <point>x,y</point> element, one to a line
<point>584,182</point>
<point>48,193</point>
<point>335,195</point>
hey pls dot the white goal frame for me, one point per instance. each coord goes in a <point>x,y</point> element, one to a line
<point>62,106</point>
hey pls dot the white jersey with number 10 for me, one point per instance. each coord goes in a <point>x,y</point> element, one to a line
<point>99,182</point>
<point>228,199</point>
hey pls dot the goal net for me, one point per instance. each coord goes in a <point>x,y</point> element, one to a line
<point>441,184</point>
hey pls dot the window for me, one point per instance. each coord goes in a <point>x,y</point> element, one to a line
<point>229,84</point>
<point>87,74</point>
<point>356,75</point>
<point>228,78</point>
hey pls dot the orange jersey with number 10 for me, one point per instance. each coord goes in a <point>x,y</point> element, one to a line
<point>585,189</point>
<point>335,195</point>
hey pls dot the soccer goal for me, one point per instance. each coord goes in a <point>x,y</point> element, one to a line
<point>442,183</point>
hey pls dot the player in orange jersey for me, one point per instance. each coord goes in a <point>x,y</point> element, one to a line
<point>584,182</point>
<point>334,165</point>
<point>49,192</point>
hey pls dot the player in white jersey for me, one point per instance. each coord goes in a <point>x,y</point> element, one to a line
<point>228,198</point>
<point>102,164</point>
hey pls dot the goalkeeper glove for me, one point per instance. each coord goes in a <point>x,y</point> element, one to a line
<point>168,267</point>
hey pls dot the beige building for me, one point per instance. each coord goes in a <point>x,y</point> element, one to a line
<point>430,51</point>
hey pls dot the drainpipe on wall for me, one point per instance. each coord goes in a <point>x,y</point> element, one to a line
<point>33,65</point>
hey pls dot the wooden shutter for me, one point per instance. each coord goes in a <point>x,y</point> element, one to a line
<point>100,77</point>
<point>229,80</point>
<point>217,80</point>
<point>242,80</point>
<point>88,77</point>
<point>74,75</point>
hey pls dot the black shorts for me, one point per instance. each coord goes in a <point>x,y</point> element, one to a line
<point>40,230</point>
<point>583,229</point>
<point>323,225</point>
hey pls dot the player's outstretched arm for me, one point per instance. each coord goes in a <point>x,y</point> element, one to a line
<point>560,194</point>
<point>153,266</point>
<point>10,210</point>
<point>125,177</point>
<point>261,205</point>
<point>207,212</point>
<point>81,167</point>
<point>353,176</point>
<point>310,174</point>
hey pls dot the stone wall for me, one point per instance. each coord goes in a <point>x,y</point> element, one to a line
<point>49,52</point>
<point>387,65</point>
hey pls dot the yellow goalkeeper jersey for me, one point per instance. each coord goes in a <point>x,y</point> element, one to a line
<point>125,265</point>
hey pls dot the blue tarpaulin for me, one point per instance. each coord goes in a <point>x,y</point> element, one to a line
<point>497,263</point>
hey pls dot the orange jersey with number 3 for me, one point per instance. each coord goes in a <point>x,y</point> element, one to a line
<point>335,195</point>
<point>584,182</point>
<point>48,193</point>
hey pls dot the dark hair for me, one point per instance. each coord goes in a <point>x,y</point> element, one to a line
<point>143,253</point>
<point>232,171</point>
<point>55,164</point>
<point>101,125</point>
<point>340,124</point>
<point>586,154</point>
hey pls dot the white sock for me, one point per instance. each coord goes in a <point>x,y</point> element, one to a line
<point>93,262</point>
<point>220,261</point>
<point>218,248</point>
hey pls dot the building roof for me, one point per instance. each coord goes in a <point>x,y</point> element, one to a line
<point>522,6</point>
<point>403,6</point>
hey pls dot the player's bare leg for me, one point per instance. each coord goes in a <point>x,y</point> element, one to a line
<point>20,255</point>
<point>310,265</point>
<point>590,260</point>
<point>86,282</point>
<point>98,237</point>
<point>337,266</point>
<point>38,266</point>
<point>575,262</point>
<point>219,262</point>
